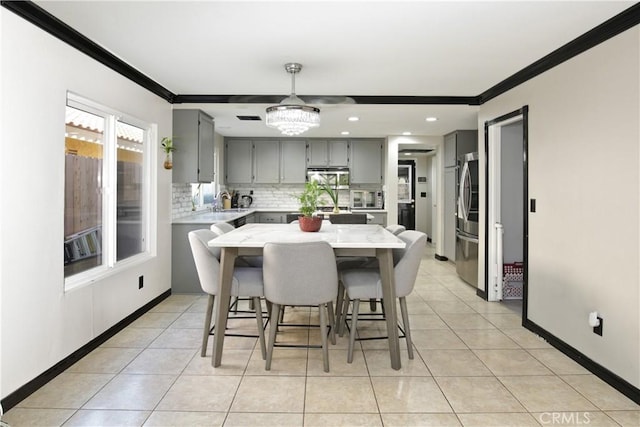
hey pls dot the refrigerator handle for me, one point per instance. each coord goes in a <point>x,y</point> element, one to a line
<point>462,202</point>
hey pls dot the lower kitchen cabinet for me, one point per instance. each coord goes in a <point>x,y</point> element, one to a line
<point>184,276</point>
<point>271,218</point>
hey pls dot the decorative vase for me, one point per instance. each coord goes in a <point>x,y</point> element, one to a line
<point>336,209</point>
<point>310,223</point>
<point>168,161</point>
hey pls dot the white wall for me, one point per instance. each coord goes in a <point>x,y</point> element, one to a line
<point>423,168</point>
<point>584,138</point>
<point>40,323</point>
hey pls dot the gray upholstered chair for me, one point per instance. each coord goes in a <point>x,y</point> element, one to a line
<point>247,282</point>
<point>243,261</point>
<point>223,227</point>
<point>300,274</point>
<point>364,283</point>
<point>395,229</point>
<point>366,262</point>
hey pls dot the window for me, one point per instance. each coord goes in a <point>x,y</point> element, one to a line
<point>107,185</point>
<point>202,195</point>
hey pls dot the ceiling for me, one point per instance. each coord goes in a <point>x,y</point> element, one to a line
<point>351,48</point>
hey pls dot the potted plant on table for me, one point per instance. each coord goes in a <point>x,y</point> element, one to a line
<point>333,195</point>
<point>168,148</point>
<point>309,201</point>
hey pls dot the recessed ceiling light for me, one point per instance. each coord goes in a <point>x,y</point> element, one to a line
<point>431,119</point>
<point>344,132</point>
<point>406,133</point>
<point>407,154</point>
<point>353,119</point>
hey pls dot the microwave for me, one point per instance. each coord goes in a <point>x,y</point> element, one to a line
<point>364,199</point>
<point>336,178</point>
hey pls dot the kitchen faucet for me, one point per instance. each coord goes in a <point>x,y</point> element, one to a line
<point>215,206</point>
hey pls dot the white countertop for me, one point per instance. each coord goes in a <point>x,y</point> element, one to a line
<point>338,235</point>
<point>209,217</point>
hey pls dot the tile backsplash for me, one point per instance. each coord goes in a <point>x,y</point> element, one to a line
<point>281,196</point>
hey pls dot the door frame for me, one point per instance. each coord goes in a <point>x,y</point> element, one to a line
<point>492,134</point>
<point>412,163</point>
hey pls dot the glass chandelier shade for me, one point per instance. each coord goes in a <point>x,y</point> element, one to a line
<point>292,116</point>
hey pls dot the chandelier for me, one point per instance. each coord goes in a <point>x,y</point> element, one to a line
<point>292,116</point>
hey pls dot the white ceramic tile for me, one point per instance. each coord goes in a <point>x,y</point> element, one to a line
<point>185,418</point>
<point>132,392</point>
<point>67,391</point>
<point>270,394</point>
<point>90,418</point>
<point>409,394</point>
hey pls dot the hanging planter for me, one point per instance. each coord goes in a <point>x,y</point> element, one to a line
<point>168,161</point>
<point>168,148</point>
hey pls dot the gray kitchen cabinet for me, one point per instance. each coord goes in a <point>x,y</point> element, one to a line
<point>193,138</point>
<point>458,143</point>
<point>293,169</point>
<point>184,276</point>
<point>239,161</point>
<point>449,223</point>
<point>266,161</point>
<point>366,161</point>
<point>328,153</point>
<point>271,217</point>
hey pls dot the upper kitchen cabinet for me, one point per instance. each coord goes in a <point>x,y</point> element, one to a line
<point>328,153</point>
<point>293,154</point>
<point>458,143</point>
<point>239,161</point>
<point>366,161</point>
<point>266,162</point>
<point>193,138</point>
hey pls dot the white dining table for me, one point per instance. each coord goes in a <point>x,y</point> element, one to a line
<point>346,239</point>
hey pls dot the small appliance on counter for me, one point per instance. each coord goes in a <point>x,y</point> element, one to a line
<point>245,201</point>
<point>365,199</point>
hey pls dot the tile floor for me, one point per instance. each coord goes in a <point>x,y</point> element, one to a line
<point>474,365</point>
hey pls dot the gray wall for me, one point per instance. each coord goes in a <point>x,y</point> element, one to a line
<point>511,177</point>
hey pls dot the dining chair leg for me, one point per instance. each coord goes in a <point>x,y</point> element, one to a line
<point>332,322</point>
<point>207,325</point>
<point>405,323</point>
<point>352,334</point>
<point>275,314</point>
<point>339,301</point>
<point>258,307</point>
<point>343,316</point>
<point>323,335</point>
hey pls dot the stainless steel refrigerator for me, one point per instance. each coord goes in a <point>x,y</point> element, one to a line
<point>467,219</point>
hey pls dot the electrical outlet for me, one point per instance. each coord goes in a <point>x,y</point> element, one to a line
<point>140,282</point>
<point>598,329</point>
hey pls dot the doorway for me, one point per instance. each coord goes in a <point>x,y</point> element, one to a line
<point>506,220</point>
<point>406,193</point>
